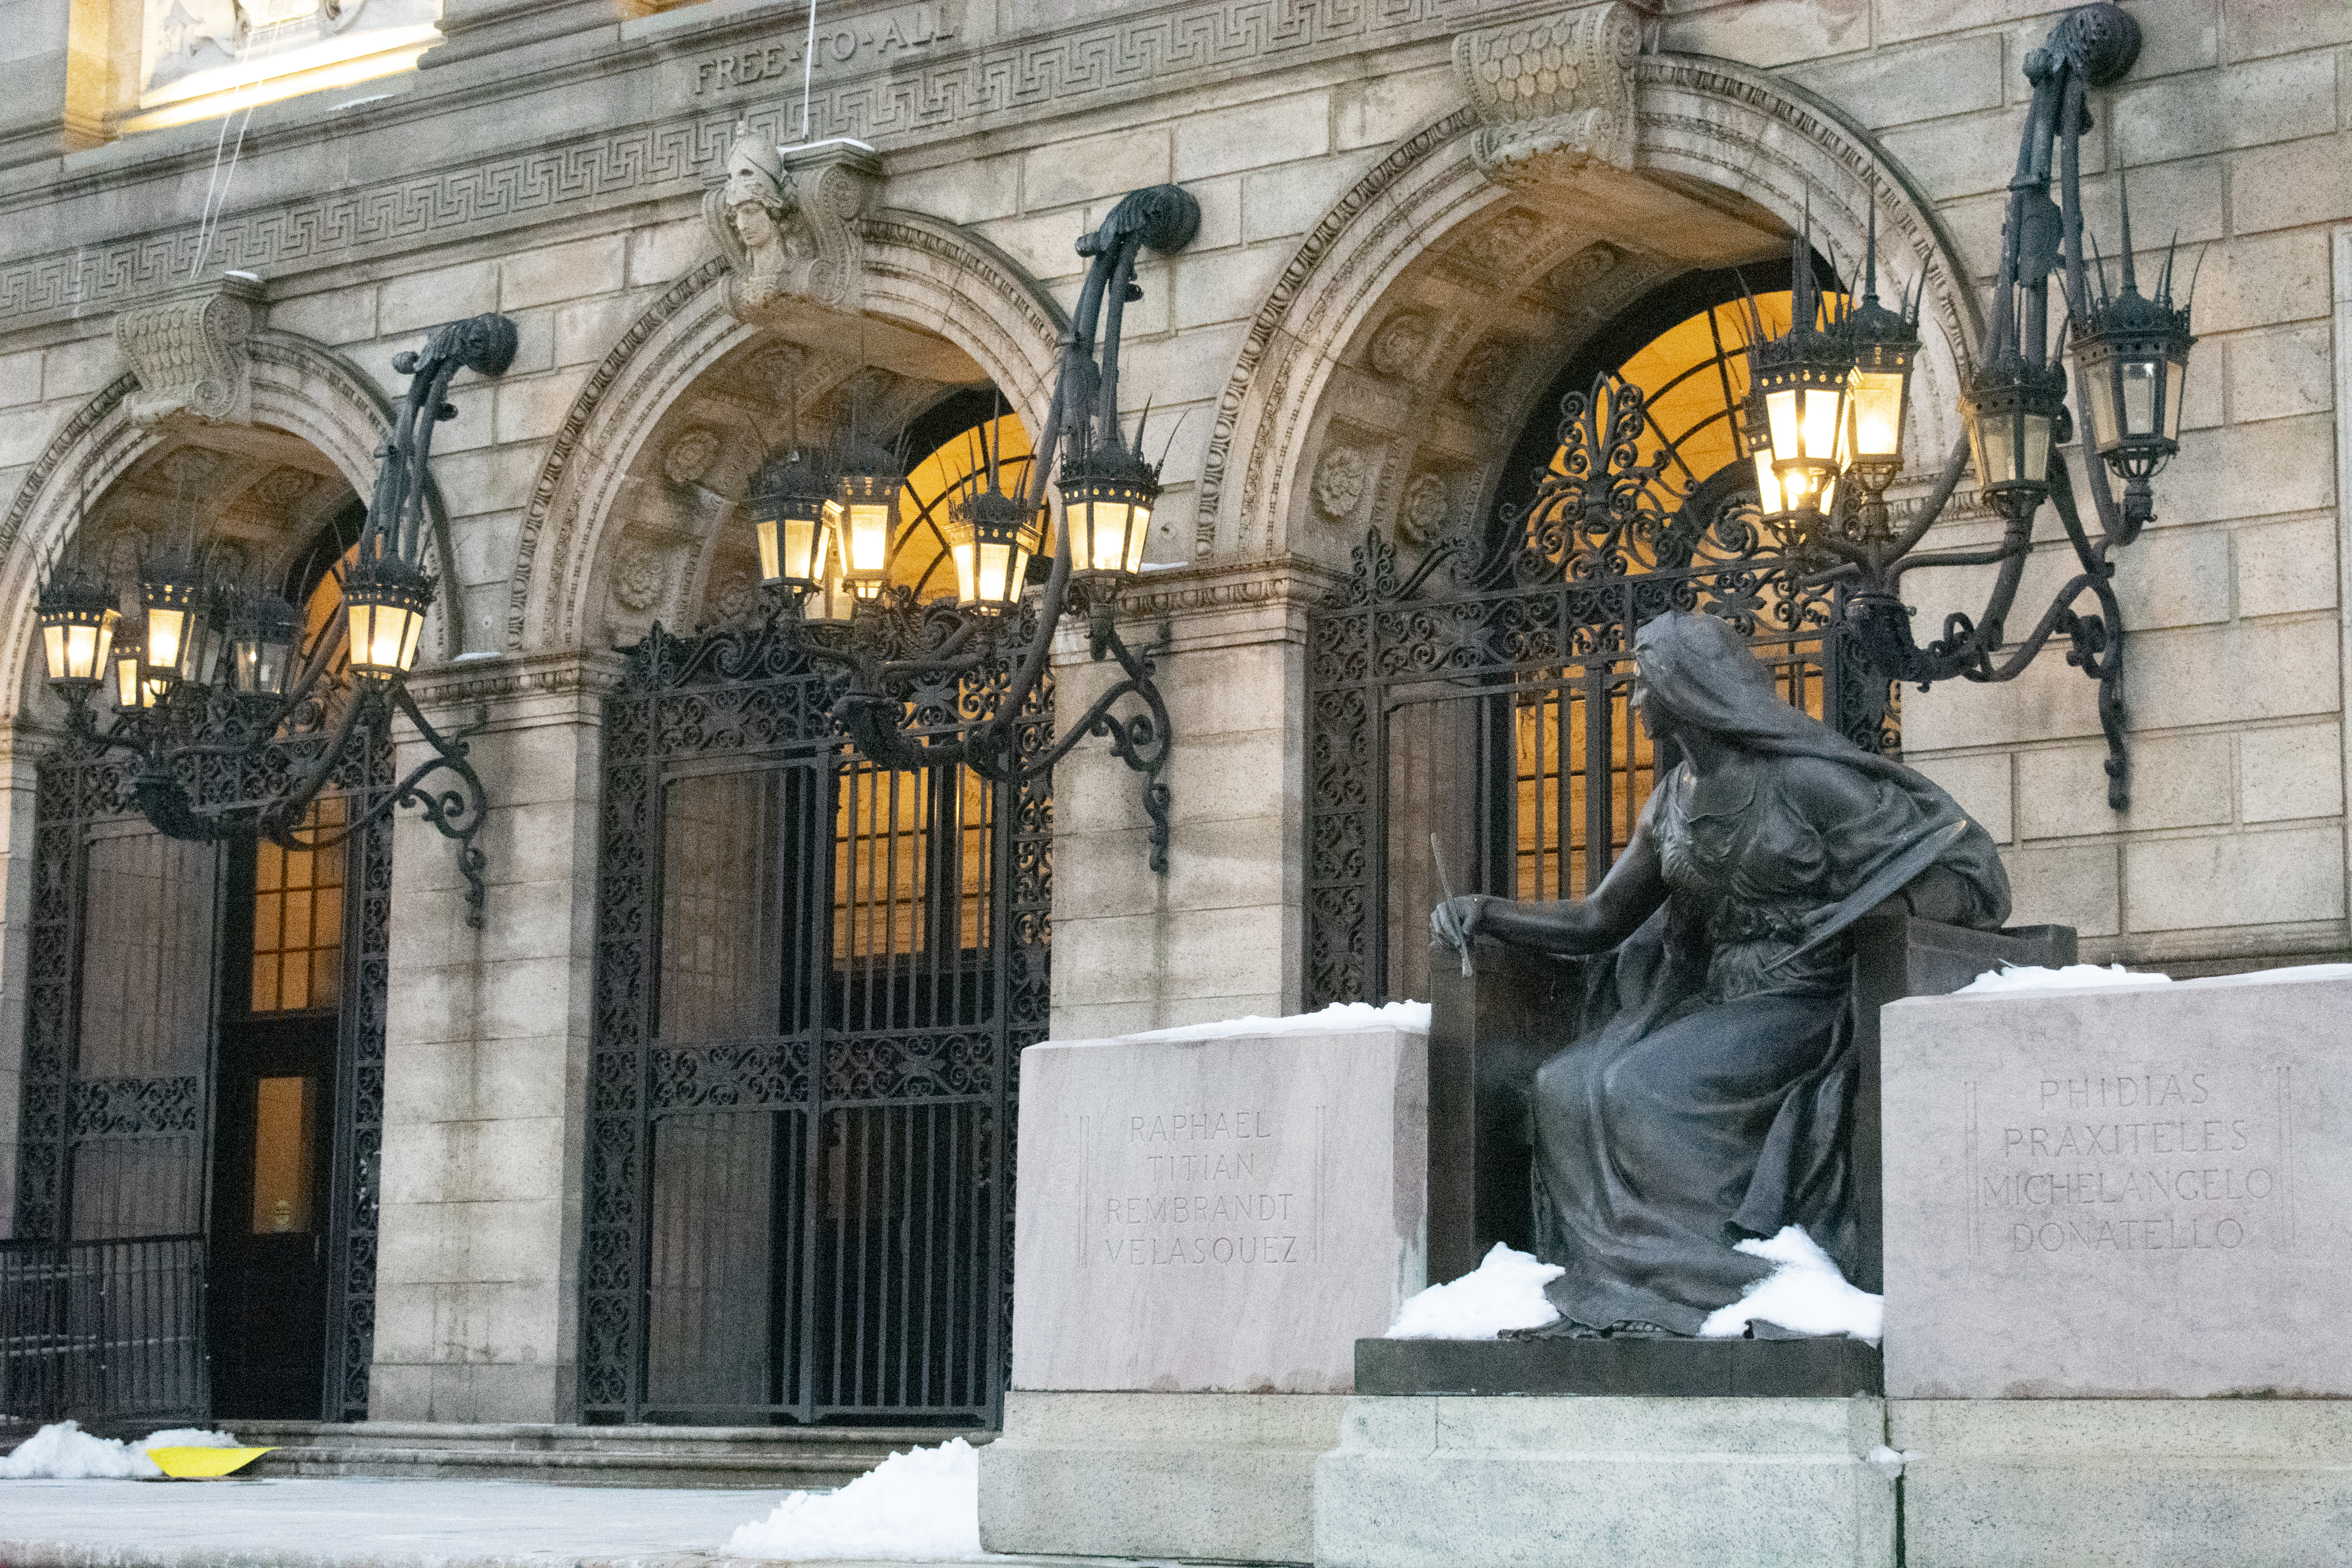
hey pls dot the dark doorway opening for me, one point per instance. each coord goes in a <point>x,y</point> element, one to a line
<point>275,1089</point>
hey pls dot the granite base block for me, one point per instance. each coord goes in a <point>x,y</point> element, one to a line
<point>2120,1483</point>
<point>1224,1477</point>
<point>1828,1368</point>
<point>1551,1482</point>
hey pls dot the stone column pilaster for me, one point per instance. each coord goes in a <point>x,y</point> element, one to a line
<point>21,749</point>
<point>486,1058</point>
<point>1219,935</point>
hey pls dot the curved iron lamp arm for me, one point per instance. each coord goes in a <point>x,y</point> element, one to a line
<point>1085,398</point>
<point>395,532</point>
<point>2092,45</point>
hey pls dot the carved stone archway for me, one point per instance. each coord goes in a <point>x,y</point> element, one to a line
<point>295,386</point>
<point>918,274</point>
<point>1572,204</point>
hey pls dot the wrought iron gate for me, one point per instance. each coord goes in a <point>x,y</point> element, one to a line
<point>103,1310</point>
<point>815,979</point>
<point>1481,693</point>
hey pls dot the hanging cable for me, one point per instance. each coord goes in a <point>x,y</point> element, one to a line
<point>808,71</point>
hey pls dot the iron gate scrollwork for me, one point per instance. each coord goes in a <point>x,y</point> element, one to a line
<point>1481,693</point>
<point>102,1291</point>
<point>815,979</point>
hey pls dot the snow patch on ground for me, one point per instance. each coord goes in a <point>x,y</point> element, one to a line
<point>1504,1292</point>
<point>1338,1015</point>
<point>2073,977</point>
<point>63,1452</point>
<point>1804,1293</point>
<point>921,1505</point>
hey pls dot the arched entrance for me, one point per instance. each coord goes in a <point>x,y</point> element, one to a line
<point>814,975</point>
<point>205,1029</point>
<point>1469,719</point>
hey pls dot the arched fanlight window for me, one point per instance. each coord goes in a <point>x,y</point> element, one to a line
<point>1686,346</point>
<point>948,447</point>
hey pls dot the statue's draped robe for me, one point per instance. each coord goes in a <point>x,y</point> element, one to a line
<point>1706,1092</point>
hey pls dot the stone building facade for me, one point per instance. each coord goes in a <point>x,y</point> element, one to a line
<point>1413,212</point>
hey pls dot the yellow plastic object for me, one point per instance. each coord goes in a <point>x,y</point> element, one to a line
<point>204,1464</point>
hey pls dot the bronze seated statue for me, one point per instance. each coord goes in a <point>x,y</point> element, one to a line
<point>1704,1049</point>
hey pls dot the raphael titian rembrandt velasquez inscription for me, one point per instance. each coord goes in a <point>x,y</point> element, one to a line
<point>2172,1158</point>
<point>1200,1187</point>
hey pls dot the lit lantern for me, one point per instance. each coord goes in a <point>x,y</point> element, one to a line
<point>1883,346</point>
<point>1797,389</point>
<point>133,688</point>
<point>385,599</point>
<point>867,492</point>
<point>2011,408</point>
<point>2131,361</point>
<point>990,535</point>
<point>261,646</point>
<point>182,640</point>
<point>1108,492</point>
<point>795,519</point>
<point>78,622</point>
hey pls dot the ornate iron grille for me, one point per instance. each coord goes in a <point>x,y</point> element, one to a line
<point>815,979</point>
<point>1480,695</point>
<point>114,1114</point>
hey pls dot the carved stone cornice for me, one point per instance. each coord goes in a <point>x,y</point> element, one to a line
<point>188,349</point>
<point>1553,95</point>
<point>1189,590</point>
<point>495,677</point>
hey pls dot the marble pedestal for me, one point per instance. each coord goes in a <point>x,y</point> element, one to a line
<point>1548,1482</point>
<point>1222,1476</point>
<point>2122,1483</point>
<point>1204,1228</point>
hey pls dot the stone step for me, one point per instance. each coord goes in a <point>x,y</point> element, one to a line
<point>767,1458</point>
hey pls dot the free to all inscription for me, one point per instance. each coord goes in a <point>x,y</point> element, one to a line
<point>2171,1158</point>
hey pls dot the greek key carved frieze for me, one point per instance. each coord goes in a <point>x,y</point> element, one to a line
<point>873,93</point>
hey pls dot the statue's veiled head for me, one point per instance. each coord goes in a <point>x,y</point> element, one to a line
<point>1696,672</point>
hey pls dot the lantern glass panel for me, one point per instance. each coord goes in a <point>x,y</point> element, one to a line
<point>2034,446</point>
<point>53,650</point>
<point>126,691</point>
<point>771,567</point>
<point>1996,450</point>
<point>167,631</point>
<point>869,537</point>
<point>1820,425</point>
<point>1877,414</point>
<point>1780,411</point>
<point>1138,528</point>
<point>1768,484</point>
<point>2139,396</point>
<point>2099,393</point>
<point>2174,372</point>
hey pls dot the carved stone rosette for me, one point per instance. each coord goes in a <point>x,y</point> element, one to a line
<point>188,351</point>
<point>1552,96</point>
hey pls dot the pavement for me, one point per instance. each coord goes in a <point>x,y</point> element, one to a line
<point>366,1522</point>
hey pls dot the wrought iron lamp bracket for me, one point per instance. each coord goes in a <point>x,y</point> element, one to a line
<point>190,721</point>
<point>2090,47</point>
<point>892,643</point>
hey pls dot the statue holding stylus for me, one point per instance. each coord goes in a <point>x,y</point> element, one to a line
<point>1703,1093</point>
